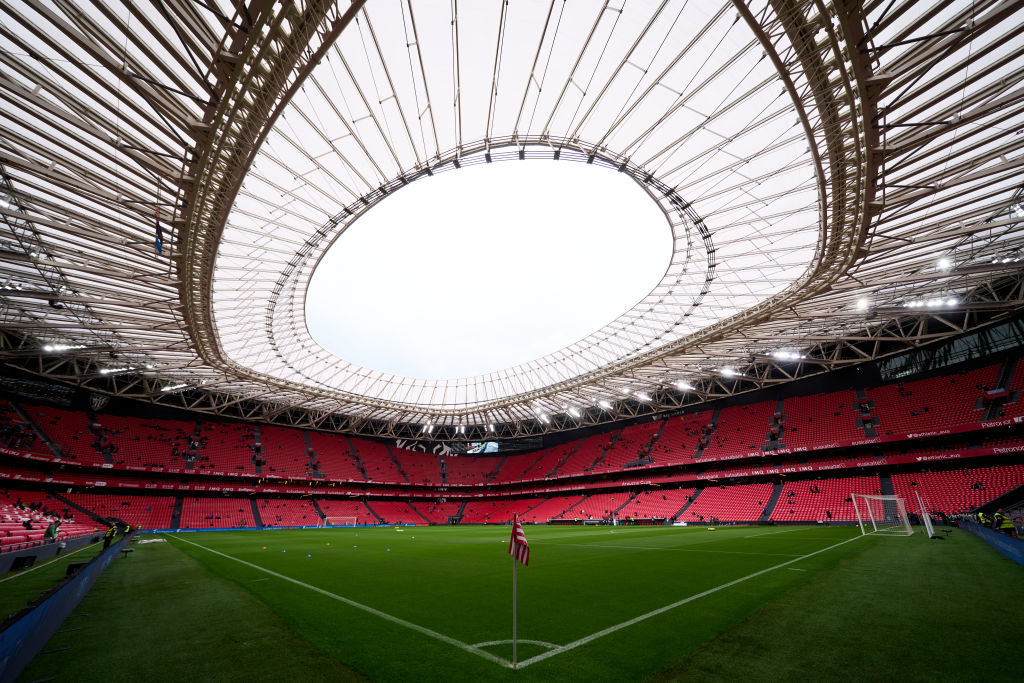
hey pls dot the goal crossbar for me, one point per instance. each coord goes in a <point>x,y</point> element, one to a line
<point>341,521</point>
<point>882,515</point>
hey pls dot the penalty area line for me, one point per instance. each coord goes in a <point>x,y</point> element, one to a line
<point>366,608</point>
<point>661,610</point>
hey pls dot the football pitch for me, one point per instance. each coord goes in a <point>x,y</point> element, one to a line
<point>596,603</point>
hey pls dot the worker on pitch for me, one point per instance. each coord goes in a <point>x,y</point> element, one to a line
<point>108,536</point>
<point>1003,524</point>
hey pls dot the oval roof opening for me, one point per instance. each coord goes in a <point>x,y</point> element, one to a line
<point>491,266</point>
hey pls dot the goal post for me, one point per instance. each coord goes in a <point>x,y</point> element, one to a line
<point>882,515</point>
<point>340,521</point>
<point>926,516</point>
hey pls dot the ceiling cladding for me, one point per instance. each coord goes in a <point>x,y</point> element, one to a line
<point>842,181</point>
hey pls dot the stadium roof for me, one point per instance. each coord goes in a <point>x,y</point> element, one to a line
<point>842,181</point>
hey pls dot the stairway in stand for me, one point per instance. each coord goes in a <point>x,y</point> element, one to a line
<point>179,502</point>
<point>319,511</point>
<point>380,520</point>
<point>693,499</point>
<point>770,507</point>
<point>256,513</point>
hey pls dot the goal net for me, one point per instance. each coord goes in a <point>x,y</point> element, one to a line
<point>883,515</point>
<point>340,521</point>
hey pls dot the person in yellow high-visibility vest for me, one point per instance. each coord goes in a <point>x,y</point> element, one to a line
<point>108,536</point>
<point>1003,524</point>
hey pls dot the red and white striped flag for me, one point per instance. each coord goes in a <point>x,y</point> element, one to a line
<point>518,547</point>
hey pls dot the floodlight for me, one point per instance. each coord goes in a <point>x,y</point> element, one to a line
<point>62,347</point>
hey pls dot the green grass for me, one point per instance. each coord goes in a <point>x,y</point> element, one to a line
<point>161,616</point>
<point>945,620</point>
<point>869,608</point>
<point>19,588</point>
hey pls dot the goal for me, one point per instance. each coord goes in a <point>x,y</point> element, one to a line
<point>340,521</point>
<point>882,515</point>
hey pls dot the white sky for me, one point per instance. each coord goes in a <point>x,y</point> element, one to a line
<point>486,267</point>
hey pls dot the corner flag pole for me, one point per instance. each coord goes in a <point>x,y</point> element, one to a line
<point>519,549</point>
<point>513,612</point>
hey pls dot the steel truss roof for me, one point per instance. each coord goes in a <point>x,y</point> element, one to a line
<point>843,182</point>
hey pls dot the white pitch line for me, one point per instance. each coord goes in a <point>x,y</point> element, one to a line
<point>366,608</point>
<point>542,643</point>
<point>666,608</point>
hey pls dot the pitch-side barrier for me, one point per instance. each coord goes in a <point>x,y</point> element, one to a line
<point>26,636</point>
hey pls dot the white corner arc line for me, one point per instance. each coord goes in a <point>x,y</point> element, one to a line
<point>366,608</point>
<point>542,643</point>
<point>618,627</point>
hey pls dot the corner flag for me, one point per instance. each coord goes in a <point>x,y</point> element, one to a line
<point>517,546</point>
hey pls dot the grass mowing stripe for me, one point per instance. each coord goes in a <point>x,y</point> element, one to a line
<point>783,531</point>
<point>906,609</point>
<point>366,608</point>
<point>48,562</point>
<point>161,616</point>
<point>666,608</point>
<point>647,547</point>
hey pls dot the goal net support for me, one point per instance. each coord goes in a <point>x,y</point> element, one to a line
<point>340,521</point>
<point>882,515</point>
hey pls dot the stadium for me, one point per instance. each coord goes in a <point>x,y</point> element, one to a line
<point>511,340</point>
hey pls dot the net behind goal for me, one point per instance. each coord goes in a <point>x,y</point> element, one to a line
<point>883,515</point>
<point>340,521</point>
